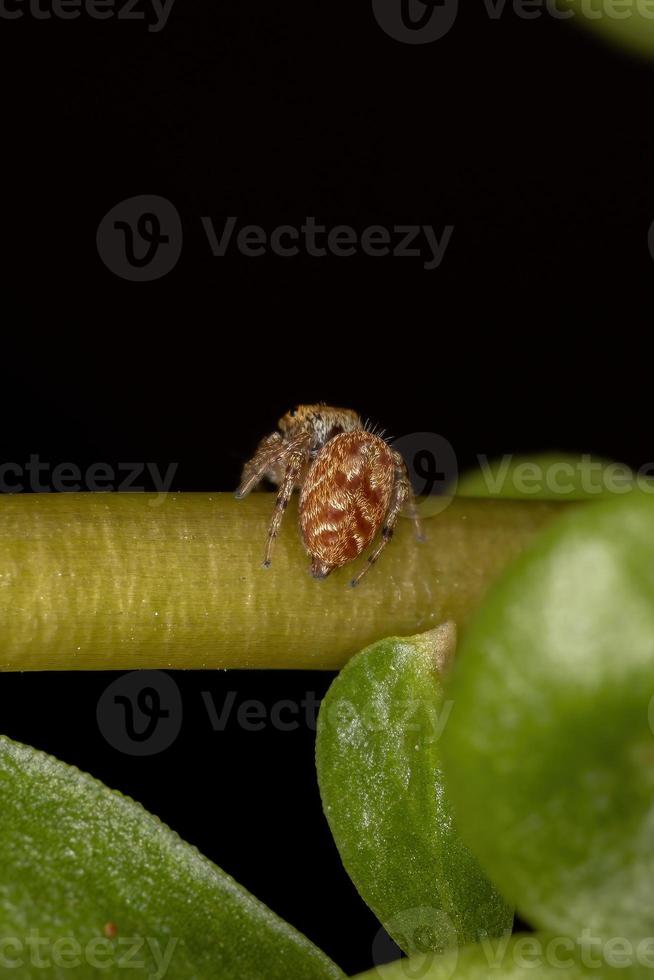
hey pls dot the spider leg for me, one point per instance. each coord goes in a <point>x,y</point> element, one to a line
<point>268,453</point>
<point>410,503</point>
<point>295,463</point>
<point>399,496</point>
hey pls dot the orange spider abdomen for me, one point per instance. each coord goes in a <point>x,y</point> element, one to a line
<point>345,498</point>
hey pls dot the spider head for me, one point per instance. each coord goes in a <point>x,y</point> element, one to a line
<point>323,422</point>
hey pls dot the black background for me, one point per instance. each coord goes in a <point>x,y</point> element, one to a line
<point>532,138</point>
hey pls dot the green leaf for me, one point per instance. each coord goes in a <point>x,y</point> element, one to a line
<point>549,751</point>
<point>526,957</point>
<point>94,885</point>
<point>381,783</point>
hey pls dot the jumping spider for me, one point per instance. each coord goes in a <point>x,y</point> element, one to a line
<point>352,485</point>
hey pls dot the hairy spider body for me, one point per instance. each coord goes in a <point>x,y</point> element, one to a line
<point>345,498</point>
<point>352,485</point>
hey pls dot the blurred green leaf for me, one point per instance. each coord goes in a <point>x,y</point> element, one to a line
<point>381,783</point>
<point>627,23</point>
<point>91,885</point>
<point>549,752</point>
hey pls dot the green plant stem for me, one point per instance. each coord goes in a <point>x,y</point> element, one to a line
<point>125,581</point>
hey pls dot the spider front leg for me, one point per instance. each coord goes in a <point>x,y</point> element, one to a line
<point>402,493</point>
<point>295,464</point>
<point>269,451</point>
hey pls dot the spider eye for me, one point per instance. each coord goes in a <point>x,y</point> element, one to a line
<point>293,413</point>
